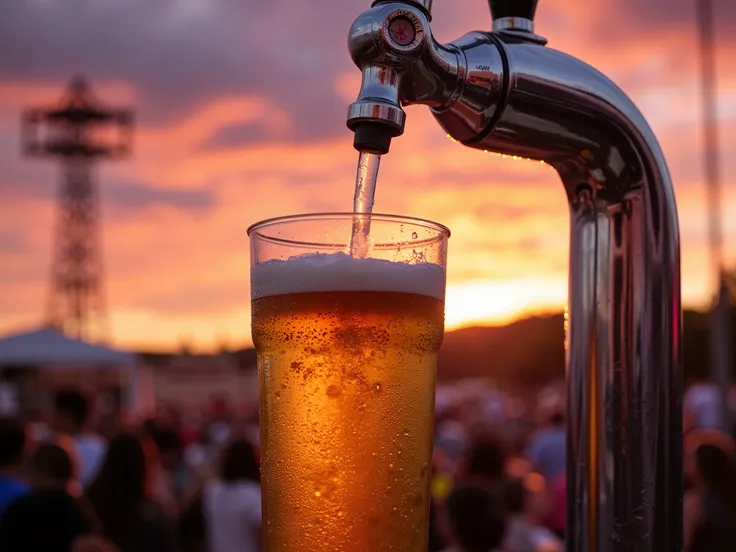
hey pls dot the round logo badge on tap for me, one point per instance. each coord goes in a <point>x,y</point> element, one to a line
<point>403,30</point>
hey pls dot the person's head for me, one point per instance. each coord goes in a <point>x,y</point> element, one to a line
<point>239,463</point>
<point>170,447</point>
<point>693,441</point>
<point>476,519</point>
<point>52,466</point>
<point>71,410</point>
<point>527,497</point>
<point>714,468</point>
<point>515,497</point>
<point>12,443</point>
<point>124,481</point>
<point>149,427</point>
<point>486,459</point>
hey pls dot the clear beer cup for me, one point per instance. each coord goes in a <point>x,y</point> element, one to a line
<point>347,354</point>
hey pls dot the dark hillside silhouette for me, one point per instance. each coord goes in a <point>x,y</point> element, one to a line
<point>531,351</point>
<point>523,352</point>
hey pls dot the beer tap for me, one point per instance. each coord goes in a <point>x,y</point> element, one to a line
<point>505,91</point>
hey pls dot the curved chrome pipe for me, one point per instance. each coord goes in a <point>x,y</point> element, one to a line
<point>506,92</point>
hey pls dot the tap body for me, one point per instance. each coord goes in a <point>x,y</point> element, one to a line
<point>505,91</point>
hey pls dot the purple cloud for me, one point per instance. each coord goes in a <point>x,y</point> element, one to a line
<point>179,55</point>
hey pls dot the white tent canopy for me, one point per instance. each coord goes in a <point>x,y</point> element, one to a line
<point>48,347</point>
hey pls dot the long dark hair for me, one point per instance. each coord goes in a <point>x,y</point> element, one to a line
<point>239,463</point>
<point>718,472</point>
<point>123,483</point>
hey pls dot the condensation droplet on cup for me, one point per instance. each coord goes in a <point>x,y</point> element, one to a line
<point>377,387</point>
<point>414,235</point>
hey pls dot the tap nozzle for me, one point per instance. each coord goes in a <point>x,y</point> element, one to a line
<point>376,116</point>
<point>383,41</point>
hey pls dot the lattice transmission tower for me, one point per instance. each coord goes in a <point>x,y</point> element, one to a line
<point>79,131</point>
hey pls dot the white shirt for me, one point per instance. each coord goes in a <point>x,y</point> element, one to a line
<point>233,514</point>
<point>91,451</point>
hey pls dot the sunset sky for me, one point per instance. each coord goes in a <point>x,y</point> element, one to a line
<point>241,116</point>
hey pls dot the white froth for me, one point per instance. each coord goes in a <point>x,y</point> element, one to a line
<point>341,272</point>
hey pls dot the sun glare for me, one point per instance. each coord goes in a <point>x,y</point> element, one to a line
<point>500,302</point>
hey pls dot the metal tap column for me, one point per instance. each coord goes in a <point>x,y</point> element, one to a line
<point>506,92</point>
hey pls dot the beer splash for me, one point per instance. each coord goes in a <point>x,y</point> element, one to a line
<point>365,191</point>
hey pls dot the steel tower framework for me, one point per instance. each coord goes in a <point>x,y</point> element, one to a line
<point>80,132</point>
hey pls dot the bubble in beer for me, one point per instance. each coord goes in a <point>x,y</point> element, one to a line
<point>377,387</point>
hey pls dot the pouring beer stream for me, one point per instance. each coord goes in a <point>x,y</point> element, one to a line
<point>505,91</point>
<point>365,192</point>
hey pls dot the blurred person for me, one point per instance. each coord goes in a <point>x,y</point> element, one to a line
<point>547,448</point>
<point>198,454</point>
<point>474,521</point>
<point>715,486</point>
<point>692,500</point>
<point>451,438</point>
<point>527,505</point>
<point>442,480</point>
<point>71,413</point>
<point>220,428</point>
<point>172,480</point>
<point>557,492</point>
<point>696,438</point>
<point>37,428</point>
<point>232,502</point>
<point>485,465</point>
<point>52,516</point>
<point>12,450</point>
<point>189,428</point>
<point>122,495</point>
<point>702,404</point>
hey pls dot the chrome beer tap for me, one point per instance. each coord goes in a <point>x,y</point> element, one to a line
<point>504,91</point>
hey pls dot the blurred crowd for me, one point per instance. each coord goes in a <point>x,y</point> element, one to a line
<point>169,484</point>
<point>180,482</point>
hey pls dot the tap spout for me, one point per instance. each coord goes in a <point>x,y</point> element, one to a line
<point>401,63</point>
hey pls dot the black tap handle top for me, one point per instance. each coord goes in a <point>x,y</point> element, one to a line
<point>513,8</point>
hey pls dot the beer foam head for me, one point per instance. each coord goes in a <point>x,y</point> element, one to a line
<point>341,272</point>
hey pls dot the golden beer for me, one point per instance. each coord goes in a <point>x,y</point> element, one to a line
<point>347,354</point>
<point>347,396</point>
